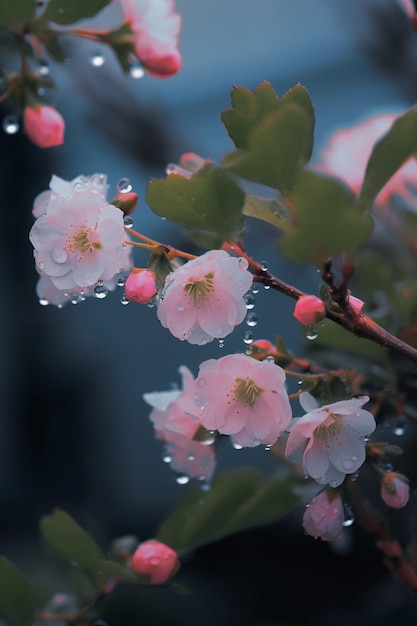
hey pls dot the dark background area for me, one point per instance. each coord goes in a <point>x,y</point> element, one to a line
<point>74,430</point>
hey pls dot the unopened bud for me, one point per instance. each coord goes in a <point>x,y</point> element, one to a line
<point>395,490</point>
<point>141,286</point>
<point>309,310</point>
<point>156,561</point>
<point>126,201</point>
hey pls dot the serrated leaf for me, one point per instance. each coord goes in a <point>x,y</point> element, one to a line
<point>209,201</point>
<point>18,599</point>
<point>14,12</point>
<point>69,11</point>
<point>327,221</point>
<point>277,148</point>
<point>388,154</point>
<point>237,501</point>
<point>250,108</point>
<point>269,210</point>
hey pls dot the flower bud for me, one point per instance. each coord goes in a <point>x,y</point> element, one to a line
<point>395,490</point>
<point>155,560</point>
<point>44,126</point>
<point>324,516</point>
<point>126,201</point>
<point>141,286</point>
<point>309,310</point>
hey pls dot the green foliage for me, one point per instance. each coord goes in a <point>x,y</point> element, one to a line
<point>14,12</point>
<point>270,210</point>
<point>122,42</point>
<point>18,599</point>
<point>237,500</point>
<point>327,221</point>
<point>69,11</point>
<point>76,546</point>
<point>398,145</point>
<point>277,147</point>
<point>208,202</point>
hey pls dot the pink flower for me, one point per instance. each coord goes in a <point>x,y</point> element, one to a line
<point>309,310</point>
<point>141,286</point>
<point>80,240</point>
<point>242,397</point>
<point>44,126</point>
<point>347,153</point>
<point>67,189</point>
<point>324,516</point>
<point>191,458</point>
<point>156,561</point>
<point>190,163</point>
<point>329,440</point>
<point>395,490</point>
<point>203,299</point>
<point>156,26</point>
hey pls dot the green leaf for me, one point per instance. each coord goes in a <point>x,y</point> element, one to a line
<point>396,147</point>
<point>250,108</point>
<point>327,221</point>
<point>122,40</point>
<point>236,501</point>
<point>269,210</point>
<point>277,148</point>
<point>14,12</point>
<point>18,600</point>
<point>70,11</point>
<point>209,201</point>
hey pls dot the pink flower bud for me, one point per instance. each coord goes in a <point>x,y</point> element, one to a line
<point>126,201</point>
<point>395,490</point>
<point>44,126</point>
<point>141,286</point>
<point>356,304</point>
<point>263,344</point>
<point>156,561</point>
<point>324,516</point>
<point>309,310</point>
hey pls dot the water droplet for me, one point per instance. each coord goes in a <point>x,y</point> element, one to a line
<point>121,281</point>
<point>249,350</point>
<point>267,448</point>
<point>248,337</point>
<point>255,288</point>
<point>349,521</point>
<point>136,70</point>
<point>124,300</point>
<point>191,457</point>
<point>349,517</point>
<point>310,332</point>
<point>180,307</point>
<point>264,266</point>
<point>124,185</point>
<point>251,319</point>
<point>205,486</point>
<point>43,301</point>
<point>74,300</point>
<point>59,255</point>
<point>243,264</point>
<point>11,124</point>
<point>201,382</point>
<point>97,59</point>
<point>167,458</point>
<point>221,343</point>
<point>82,296</point>
<point>269,359</point>
<point>128,221</point>
<point>237,446</point>
<point>150,304</point>
<point>400,426</point>
<point>200,401</point>
<point>40,91</point>
<point>347,464</point>
<point>183,480</point>
<point>41,265</point>
<point>43,67</point>
<point>100,291</point>
<point>249,301</point>
<point>332,483</point>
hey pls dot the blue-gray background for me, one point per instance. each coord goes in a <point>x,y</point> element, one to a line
<point>74,430</point>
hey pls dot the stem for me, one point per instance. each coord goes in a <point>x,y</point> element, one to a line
<point>357,324</point>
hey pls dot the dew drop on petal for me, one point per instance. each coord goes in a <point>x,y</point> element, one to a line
<point>183,480</point>
<point>310,332</point>
<point>59,255</point>
<point>200,401</point>
<point>97,59</point>
<point>128,221</point>
<point>248,337</point>
<point>180,307</point>
<point>249,301</point>
<point>347,464</point>
<point>136,70</point>
<point>124,185</point>
<point>251,319</point>
<point>124,300</point>
<point>243,264</point>
<point>11,124</point>
<point>100,291</point>
<point>237,446</point>
<point>201,382</point>
<point>249,350</point>
<point>269,359</point>
<point>167,458</point>
<point>191,457</point>
<point>43,301</point>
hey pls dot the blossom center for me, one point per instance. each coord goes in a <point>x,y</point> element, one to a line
<point>199,289</point>
<point>247,391</point>
<point>329,429</point>
<point>83,240</point>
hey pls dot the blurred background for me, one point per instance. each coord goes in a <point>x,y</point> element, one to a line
<point>74,430</point>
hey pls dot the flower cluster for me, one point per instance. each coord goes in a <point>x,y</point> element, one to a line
<point>204,299</point>
<point>79,239</point>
